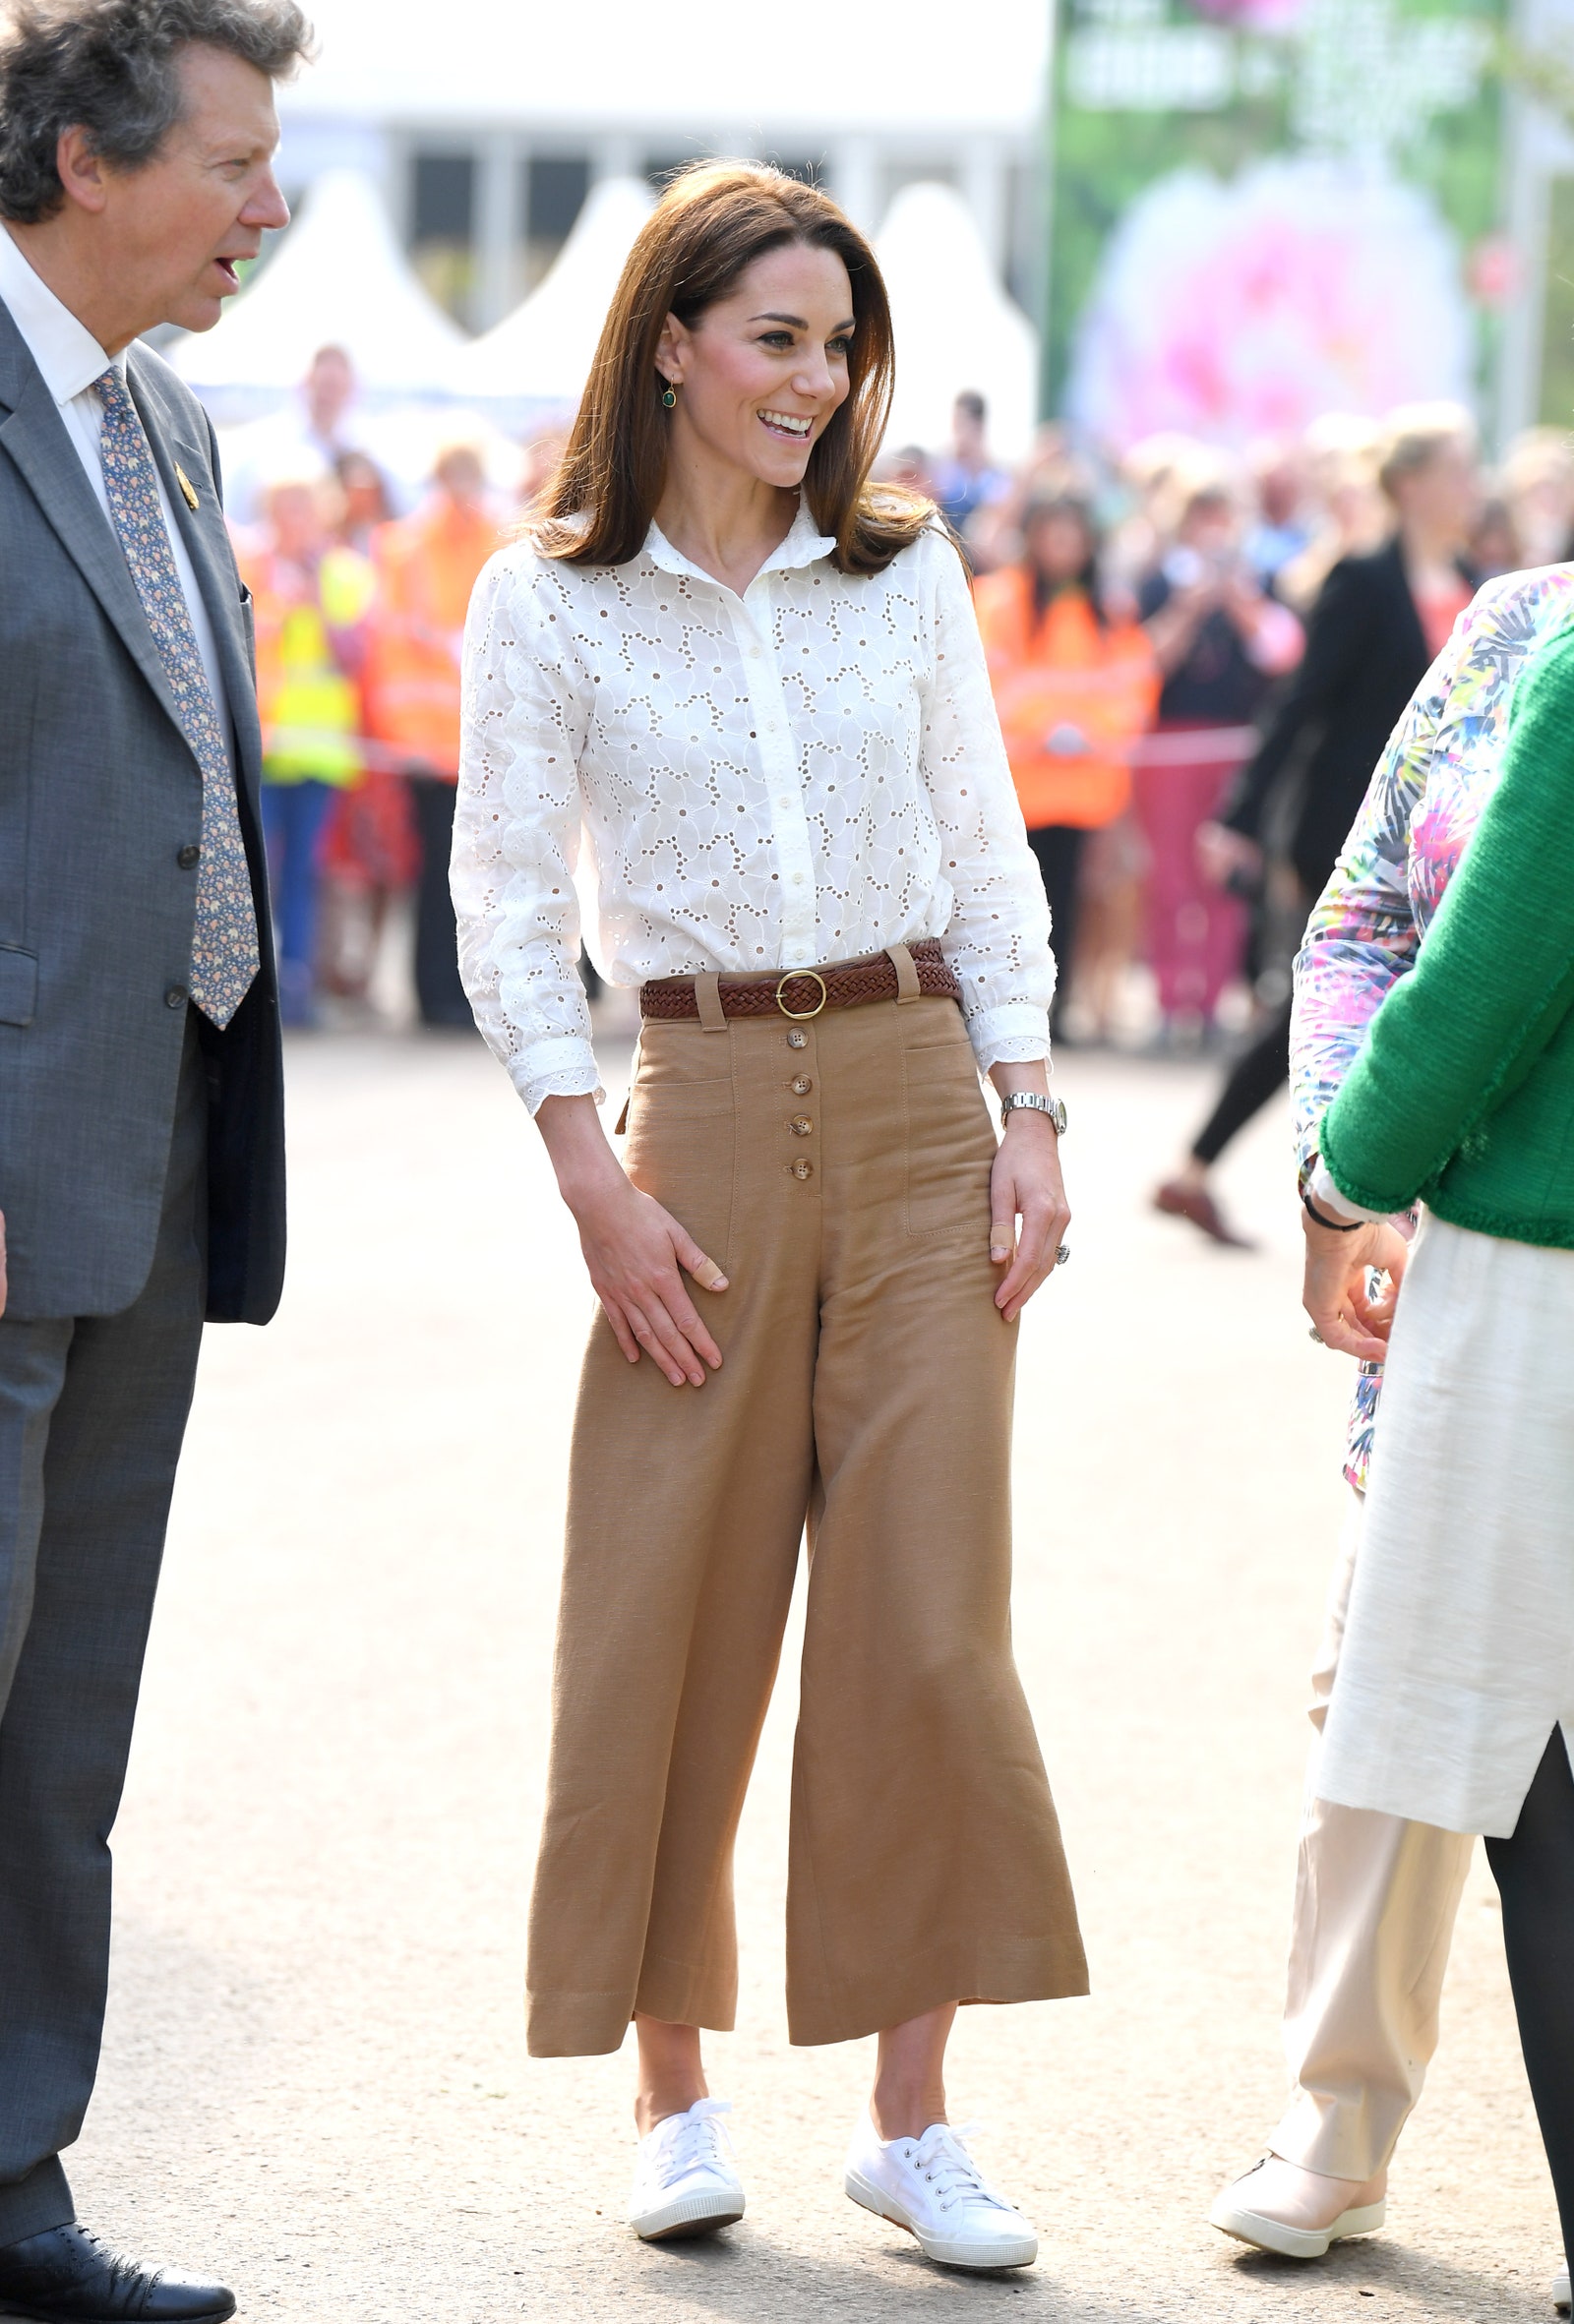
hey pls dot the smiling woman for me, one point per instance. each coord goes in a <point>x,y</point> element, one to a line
<point>752,684</point>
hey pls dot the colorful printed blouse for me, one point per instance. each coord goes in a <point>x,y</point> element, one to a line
<point>1431,783</point>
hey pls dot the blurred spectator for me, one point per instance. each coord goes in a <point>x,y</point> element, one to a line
<point>908,467</point>
<point>316,428</point>
<point>1494,543</point>
<point>1538,483</point>
<point>311,601</point>
<point>539,456</point>
<point>1342,456</point>
<point>1381,619</point>
<point>367,502</point>
<point>426,567</point>
<point>1075,683</point>
<point>967,478</point>
<point>1220,642</point>
<point>368,853</point>
<point>1278,533</point>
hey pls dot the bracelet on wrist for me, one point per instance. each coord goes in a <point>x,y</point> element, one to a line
<point>1336,1226</point>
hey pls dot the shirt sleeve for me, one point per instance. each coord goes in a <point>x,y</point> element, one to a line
<point>1493,980</point>
<point>516,831</point>
<point>1362,935</point>
<point>997,941</point>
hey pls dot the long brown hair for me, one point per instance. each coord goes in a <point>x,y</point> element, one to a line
<point>712,223</point>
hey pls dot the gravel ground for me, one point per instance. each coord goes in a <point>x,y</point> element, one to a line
<point>315,2076</point>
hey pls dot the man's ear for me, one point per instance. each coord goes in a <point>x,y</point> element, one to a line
<point>82,172</point>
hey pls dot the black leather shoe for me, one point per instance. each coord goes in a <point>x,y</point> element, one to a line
<point>68,2277</point>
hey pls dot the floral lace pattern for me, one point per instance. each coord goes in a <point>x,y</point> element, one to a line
<point>803,774</point>
<point>1430,785</point>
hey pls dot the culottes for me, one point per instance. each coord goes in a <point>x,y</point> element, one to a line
<point>838,1172</point>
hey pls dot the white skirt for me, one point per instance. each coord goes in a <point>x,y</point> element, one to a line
<point>1458,1658</point>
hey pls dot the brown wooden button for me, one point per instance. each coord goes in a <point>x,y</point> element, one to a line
<point>802,1085</point>
<point>797,1040</point>
<point>800,1170</point>
<point>800,1125</point>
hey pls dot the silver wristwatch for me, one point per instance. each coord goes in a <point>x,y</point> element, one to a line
<point>1033,1101</point>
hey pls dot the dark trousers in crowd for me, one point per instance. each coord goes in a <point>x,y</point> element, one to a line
<point>1535,1876</point>
<point>1058,848</point>
<point>1258,1074</point>
<point>293,816</point>
<point>438,993</point>
<point>92,1410</point>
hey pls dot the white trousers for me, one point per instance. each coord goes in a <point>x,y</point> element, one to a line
<point>1375,1904</point>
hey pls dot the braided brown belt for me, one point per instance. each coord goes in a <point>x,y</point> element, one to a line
<point>804,992</point>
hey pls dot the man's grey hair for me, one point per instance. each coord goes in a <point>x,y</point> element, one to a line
<point>112,67</point>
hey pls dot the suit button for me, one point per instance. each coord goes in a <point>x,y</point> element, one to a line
<point>176,998</point>
<point>188,856</point>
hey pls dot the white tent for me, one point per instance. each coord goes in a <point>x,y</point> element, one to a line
<point>537,359</point>
<point>338,278</point>
<point>955,327</point>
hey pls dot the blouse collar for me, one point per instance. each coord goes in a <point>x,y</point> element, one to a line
<point>802,546</point>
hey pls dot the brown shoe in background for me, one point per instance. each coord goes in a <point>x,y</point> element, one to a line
<point>1180,1200</point>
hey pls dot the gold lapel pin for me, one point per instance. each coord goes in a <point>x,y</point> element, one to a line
<point>187,487</point>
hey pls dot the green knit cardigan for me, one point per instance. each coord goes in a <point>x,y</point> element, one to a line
<point>1463,1092</point>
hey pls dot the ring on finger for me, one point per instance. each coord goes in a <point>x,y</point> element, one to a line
<point>1062,1254</point>
<point>1315,1335</point>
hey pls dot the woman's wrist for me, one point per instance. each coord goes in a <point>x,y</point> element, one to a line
<point>583,1161</point>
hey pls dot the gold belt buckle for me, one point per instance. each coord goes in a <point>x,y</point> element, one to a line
<point>791,976</point>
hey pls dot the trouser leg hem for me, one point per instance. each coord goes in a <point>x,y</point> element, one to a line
<point>1340,2138</point>
<point>31,2206</point>
<point>1046,1971</point>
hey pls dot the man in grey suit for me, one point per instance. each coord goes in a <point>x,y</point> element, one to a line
<point>141,1101</point>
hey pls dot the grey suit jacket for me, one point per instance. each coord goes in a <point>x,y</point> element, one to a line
<point>100,792</point>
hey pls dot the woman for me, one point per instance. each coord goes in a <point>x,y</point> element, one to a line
<point>1220,643</point>
<point>1454,1702</point>
<point>1074,685</point>
<point>1376,1893</point>
<point>754,687</point>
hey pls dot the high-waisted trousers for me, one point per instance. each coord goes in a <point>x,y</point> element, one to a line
<point>838,1171</point>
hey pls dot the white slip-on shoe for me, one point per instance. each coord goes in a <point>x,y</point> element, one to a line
<point>1560,2291</point>
<point>933,2187</point>
<point>684,2180</point>
<point>1275,2207</point>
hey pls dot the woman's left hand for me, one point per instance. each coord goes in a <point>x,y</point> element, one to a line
<point>1025,1183</point>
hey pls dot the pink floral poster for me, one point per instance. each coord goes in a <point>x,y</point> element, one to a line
<point>1269,209</point>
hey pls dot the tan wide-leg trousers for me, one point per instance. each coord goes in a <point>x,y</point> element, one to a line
<point>1375,1904</point>
<point>838,1172</point>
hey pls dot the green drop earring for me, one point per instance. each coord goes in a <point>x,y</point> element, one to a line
<point>669,396</point>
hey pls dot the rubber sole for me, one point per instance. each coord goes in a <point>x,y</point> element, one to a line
<point>690,2215</point>
<point>1272,2235</point>
<point>1561,2293</point>
<point>1020,2255</point>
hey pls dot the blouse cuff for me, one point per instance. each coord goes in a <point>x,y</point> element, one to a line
<point>565,1068</point>
<point>1017,1033</point>
<point>1327,1197</point>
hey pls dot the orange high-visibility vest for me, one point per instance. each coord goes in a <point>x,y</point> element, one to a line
<point>427,566</point>
<point>1073,697</point>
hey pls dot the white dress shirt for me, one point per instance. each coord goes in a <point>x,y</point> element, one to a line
<point>71,359</point>
<point>803,774</point>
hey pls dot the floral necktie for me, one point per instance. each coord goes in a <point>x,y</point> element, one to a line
<point>225,958</point>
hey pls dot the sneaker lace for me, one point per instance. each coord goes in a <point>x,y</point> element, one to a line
<point>697,2139</point>
<point>943,2159</point>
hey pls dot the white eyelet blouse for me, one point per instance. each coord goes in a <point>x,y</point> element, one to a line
<point>804,774</point>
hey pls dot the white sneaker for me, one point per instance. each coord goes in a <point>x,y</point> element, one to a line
<point>684,2180</point>
<point>1560,2291</point>
<point>1283,2207</point>
<point>933,2187</point>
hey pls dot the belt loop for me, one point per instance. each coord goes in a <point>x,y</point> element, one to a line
<point>907,984</point>
<point>708,1000</point>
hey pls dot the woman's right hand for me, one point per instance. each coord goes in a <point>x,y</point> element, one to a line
<point>633,1247</point>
